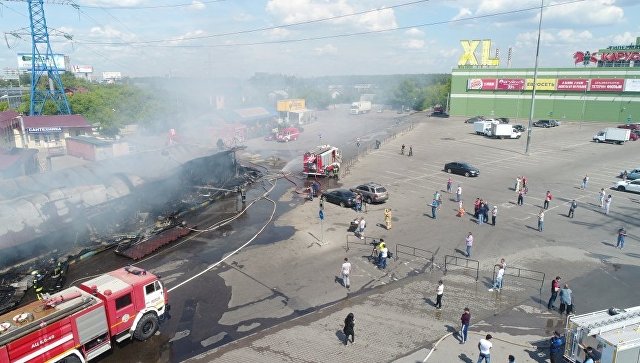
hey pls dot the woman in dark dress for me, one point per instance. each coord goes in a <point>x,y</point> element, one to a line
<point>349,323</point>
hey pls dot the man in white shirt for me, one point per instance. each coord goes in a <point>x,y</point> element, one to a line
<point>469,243</point>
<point>439,293</point>
<point>485,349</point>
<point>345,271</point>
<point>361,226</point>
<point>498,283</point>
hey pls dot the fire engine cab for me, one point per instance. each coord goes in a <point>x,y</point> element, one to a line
<point>322,161</point>
<point>81,322</point>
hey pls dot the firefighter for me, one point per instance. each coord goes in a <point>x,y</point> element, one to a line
<point>387,218</point>
<point>38,286</point>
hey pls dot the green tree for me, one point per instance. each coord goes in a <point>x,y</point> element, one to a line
<point>4,105</point>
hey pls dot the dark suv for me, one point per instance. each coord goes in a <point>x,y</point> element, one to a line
<point>546,123</point>
<point>372,192</point>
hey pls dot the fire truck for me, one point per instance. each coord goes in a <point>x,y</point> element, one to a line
<point>81,322</point>
<point>323,160</point>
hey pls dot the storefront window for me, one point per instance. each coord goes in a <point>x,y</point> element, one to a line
<point>36,139</point>
<point>57,137</point>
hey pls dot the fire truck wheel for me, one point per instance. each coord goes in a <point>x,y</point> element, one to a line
<point>70,359</point>
<point>147,326</point>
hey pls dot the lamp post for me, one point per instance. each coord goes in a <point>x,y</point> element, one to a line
<point>535,80</point>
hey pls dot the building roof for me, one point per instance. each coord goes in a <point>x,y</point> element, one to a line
<point>7,117</point>
<point>92,140</point>
<point>55,121</point>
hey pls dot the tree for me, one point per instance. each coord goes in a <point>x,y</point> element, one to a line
<point>4,105</point>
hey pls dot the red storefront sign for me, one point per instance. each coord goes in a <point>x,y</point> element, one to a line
<point>606,85</point>
<point>484,84</point>
<point>577,85</point>
<point>510,84</point>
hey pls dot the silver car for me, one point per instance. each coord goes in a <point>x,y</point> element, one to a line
<point>372,192</point>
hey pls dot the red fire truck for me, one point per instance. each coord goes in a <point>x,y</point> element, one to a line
<point>81,322</point>
<point>322,161</point>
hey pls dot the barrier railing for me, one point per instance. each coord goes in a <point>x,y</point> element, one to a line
<point>462,262</point>
<point>355,240</point>
<point>522,273</point>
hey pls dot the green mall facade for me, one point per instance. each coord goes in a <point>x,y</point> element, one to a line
<point>603,86</point>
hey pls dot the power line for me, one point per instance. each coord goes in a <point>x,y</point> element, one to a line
<point>323,37</point>
<point>150,6</point>
<point>272,27</point>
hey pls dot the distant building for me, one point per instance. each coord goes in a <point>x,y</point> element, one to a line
<point>49,132</point>
<point>94,149</point>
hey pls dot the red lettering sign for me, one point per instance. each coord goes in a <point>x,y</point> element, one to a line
<point>510,84</point>
<point>619,56</point>
<point>572,85</point>
<point>484,84</point>
<point>606,85</point>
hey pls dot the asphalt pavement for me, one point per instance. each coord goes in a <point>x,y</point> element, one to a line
<point>395,319</point>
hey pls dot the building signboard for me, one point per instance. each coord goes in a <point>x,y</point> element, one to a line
<point>542,84</point>
<point>43,130</point>
<point>290,105</point>
<point>24,62</point>
<point>82,69</point>
<point>572,85</point>
<point>112,76</point>
<point>606,85</point>
<point>468,57</point>
<point>632,85</point>
<point>484,84</point>
<point>510,84</point>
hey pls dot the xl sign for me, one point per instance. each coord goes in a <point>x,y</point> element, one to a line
<point>469,56</point>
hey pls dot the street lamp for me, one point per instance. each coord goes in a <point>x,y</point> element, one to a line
<point>535,80</point>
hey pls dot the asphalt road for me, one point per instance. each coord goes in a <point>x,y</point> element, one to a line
<point>280,274</point>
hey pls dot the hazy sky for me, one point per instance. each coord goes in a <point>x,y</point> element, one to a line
<point>315,37</point>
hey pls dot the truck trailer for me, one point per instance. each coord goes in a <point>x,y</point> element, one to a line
<point>613,135</point>
<point>360,107</point>
<point>503,131</point>
<point>81,322</point>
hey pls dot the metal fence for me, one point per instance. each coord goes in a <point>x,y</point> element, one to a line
<point>416,252</point>
<point>355,240</point>
<point>522,273</point>
<point>462,262</point>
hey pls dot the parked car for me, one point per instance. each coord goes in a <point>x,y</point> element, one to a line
<point>462,168</point>
<point>439,114</point>
<point>372,192</point>
<point>474,119</point>
<point>632,174</point>
<point>341,197</point>
<point>546,123</point>
<point>634,135</point>
<point>519,128</point>
<point>630,126</point>
<point>503,120</point>
<point>628,186</point>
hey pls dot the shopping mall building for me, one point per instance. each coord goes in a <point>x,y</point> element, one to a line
<point>603,85</point>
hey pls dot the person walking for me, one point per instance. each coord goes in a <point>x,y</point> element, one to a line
<point>556,347</point>
<point>566,301</point>
<point>518,184</point>
<point>547,199</point>
<point>410,150</point>
<point>621,234</point>
<point>520,197</point>
<point>349,328</point>
<point>585,181</point>
<point>361,226</point>
<point>387,218</point>
<point>345,271</point>
<point>459,193</point>
<point>494,215</point>
<point>449,184</point>
<point>434,208</point>
<point>541,220</point>
<point>358,202</point>
<point>555,288</point>
<point>469,242</point>
<point>572,208</point>
<point>484,346</point>
<point>465,320</point>
<point>402,150</point>
<point>601,196</point>
<point>607,204</point>
<point>497,284</point>
<point>439,293</point>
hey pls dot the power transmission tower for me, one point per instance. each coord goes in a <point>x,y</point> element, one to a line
<point>43,63</point>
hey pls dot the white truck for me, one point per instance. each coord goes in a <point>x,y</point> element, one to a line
<point>612,135</point>
<point>503,131</point>
<point>483,127</point>
<point>360,107</point>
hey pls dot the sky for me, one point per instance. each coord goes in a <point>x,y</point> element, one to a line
<point>309,38</point>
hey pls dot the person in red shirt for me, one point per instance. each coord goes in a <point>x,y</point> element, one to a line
<point>555,288</point>
<point>547,199</point>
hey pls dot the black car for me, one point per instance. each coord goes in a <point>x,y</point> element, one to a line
<point>461,168</point>
<point>503,120</point>
<point>546,123</point>
<point>519,128</point>
<point>474,119</point>
<point>342,197</point>
<point>439,114</point>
